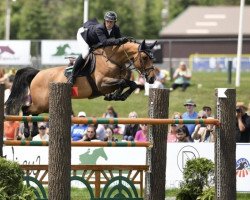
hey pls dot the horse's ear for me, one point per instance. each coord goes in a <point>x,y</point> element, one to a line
<point>152,45</point>
<point>143,45</point>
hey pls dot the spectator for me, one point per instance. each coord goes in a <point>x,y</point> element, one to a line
<point>182,135</point>
<point>208,111</point>
<point>109,135</point>
<point>130,129</point>
<point>100,132</point>
<point>173,128</point>
<point>111,113</point>
<point>11,130</point>
<point>140,83</point>
<point>142,135</point>
<point>78,130</point>
<point>172,133</point>
<point>242,123</point>
<point>42,135</point>
<point>90,133</point>
<point>190,114</point>
<point>182,76</point>
<point>203,132</point>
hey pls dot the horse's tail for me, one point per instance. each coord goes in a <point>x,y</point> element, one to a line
<point>19,90</point>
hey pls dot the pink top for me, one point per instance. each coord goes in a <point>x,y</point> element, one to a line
<point>171,138</point>
<point>140,137</point>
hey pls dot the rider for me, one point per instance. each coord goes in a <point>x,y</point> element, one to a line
<point>93,34</point>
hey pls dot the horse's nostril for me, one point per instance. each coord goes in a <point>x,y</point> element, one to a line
<point>151,80</point>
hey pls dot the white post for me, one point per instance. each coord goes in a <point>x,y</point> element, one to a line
<point>7,20</point>
<point>239,48</point>
<point>85,10</point>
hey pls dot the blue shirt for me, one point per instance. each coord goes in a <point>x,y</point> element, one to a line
<point>77,131</point>
<point>190,127</point>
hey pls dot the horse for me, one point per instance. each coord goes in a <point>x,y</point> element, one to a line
<point>110,77</point>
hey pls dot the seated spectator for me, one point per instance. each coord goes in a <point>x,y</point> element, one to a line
<point>140,83</point>
<point>182,76</point>
<point>208,111</point>
<point>100,132</point>
<point>90,133</point>
<point>130,129</point>
<point>142,135</point>
<point>42,135</point>
<point>10,131</point>
<point>172,133</point>
<point>109,136</point>
<point>203,132</point>
<point>78,130</point>
<point>182,135</point>
<point>242,123</point>
<point>111,113</point>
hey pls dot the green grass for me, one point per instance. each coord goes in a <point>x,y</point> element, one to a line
<point>202,96</point>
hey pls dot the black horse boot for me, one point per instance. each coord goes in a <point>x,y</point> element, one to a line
<point>77,65</point>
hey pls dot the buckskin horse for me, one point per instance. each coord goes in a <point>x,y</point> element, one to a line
<point>110,77</point>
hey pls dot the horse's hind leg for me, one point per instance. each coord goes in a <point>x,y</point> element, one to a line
<point>26,130</point>
<point>34,130</point>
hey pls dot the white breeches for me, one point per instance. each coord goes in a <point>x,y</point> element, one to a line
<point>84,47</point>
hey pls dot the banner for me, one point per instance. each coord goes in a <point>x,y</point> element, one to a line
<point>15,52</point>
<point>54,51</point>
<point>177,156</point>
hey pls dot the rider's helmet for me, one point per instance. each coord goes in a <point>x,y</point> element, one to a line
<point>110,16</point>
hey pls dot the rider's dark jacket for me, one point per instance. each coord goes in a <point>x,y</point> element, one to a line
<point>98,35</point>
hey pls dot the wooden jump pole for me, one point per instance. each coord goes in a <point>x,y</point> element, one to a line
<point>60,141</point>
<point>225,145</point>
<point>156,156</point>
<point>1,117</point>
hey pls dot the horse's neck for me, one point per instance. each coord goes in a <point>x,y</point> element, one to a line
<point>120,54</point>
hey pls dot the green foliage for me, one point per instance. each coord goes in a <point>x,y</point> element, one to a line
<point>11,182</point>
<point>198,175</point>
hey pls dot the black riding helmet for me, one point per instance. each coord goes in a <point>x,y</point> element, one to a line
<point>110,16</point>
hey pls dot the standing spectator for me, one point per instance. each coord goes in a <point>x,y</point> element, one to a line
<point>190,114</point>
<point>111,113</point>
<point>142,135</point>
<point>11,130</point>
<point>208,111</point>
<point>130,129</point>
<point>90,133</point>
<point>242,123</point>
<point>42,135</point>
<point>182,76</point>
<point>182,135</point>
<point>109,135</point>
<point>78,130</point>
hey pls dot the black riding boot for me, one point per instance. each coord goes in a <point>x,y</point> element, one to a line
<point>77,65</point>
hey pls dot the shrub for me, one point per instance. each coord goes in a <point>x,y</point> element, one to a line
<point>11,182</point>
<point>198,181</point>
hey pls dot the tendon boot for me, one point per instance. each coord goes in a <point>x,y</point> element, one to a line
<point>77,65</point>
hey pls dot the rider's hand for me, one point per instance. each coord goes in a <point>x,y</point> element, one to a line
<point>123,40</point>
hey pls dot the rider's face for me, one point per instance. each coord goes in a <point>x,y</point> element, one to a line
<point>109,24</point>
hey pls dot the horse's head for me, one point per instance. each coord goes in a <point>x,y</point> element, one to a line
<point>144,61</point>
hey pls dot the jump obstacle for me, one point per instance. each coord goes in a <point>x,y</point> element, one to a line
<point>158,101</point>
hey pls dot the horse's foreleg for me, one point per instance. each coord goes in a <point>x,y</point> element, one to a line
<point>132,86</point>
<point>116,95</point>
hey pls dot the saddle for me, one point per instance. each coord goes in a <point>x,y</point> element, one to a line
<point>85,70</point>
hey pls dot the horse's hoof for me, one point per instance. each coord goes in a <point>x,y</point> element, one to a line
<point>107,97</point>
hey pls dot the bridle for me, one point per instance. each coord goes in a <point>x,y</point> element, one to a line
<point>144,71</point>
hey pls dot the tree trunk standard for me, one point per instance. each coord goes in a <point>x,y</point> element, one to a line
<point>1,117</point>
<point>225,146</point>
<point>155,178</point>
<point>59,141</point>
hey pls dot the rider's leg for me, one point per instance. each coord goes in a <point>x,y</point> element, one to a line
<point>80,60</point>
